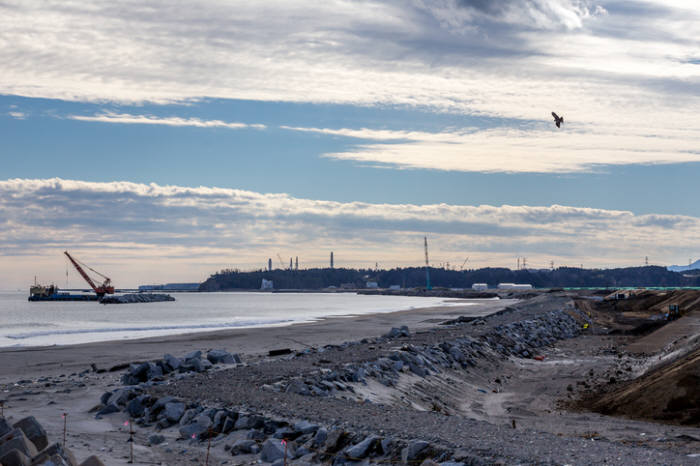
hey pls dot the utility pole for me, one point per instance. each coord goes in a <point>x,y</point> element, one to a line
<point>524,262</point>
<point>646,260</point>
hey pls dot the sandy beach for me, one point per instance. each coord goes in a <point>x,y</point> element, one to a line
<point>513,398</point>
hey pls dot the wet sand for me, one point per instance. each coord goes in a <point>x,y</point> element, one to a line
<point>29,362</point>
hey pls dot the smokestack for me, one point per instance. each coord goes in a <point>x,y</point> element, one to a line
<point>331,259</point>
<point>296,263</point>
<point>269,265</point>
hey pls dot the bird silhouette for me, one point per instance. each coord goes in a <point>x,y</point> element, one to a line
<point>558,120</point>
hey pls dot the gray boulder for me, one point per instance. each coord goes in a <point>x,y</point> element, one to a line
<point>228,425</point>
<point>174,411</point>
<point>172,362</point>
<point>198,429</point>
<point>305,427</point>
<point>109,409</point>
<point>273,450</point>
<point>243,446</point>
<point>192,355</point>
<point>135,408</point>
<point>161,402</point>
<point>320,437</point>
<point>415,451</point>
<point>156,439</point>
<point>122,396</point>
<point>188,416</point>
<point>222,357</point>
<point>362,449</point>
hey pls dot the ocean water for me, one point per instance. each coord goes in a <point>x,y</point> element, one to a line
<point>24,323</point>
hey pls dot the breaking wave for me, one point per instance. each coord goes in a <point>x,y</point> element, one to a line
<point>250,323</point>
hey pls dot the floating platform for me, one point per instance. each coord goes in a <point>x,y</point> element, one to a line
<point>64,297</point>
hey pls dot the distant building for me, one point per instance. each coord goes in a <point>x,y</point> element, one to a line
<point>395,287</point>
<point>372,285</point>
<point>267,285</point>
<point>480,286</point>
<point>348,286</point>
<point>514,286</point>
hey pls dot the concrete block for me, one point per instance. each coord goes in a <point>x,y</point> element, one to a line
<point>16,440</point>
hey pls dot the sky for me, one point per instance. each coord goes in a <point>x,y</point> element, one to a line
<point>163,141</point>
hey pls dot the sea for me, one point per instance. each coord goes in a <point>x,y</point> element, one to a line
<point>24,323</point>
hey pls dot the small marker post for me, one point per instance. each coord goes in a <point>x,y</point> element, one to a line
<point>284,442</point>
<point>65,424</point>
<point>209,432</point>
<point>131,441</point>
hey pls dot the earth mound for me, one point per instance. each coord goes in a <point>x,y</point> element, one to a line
<point>669,394</point>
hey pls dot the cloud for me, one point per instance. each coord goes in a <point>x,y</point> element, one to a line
<point>511,61</point>
<point>537,150</point>
<point>175,231</point>
<point>546,14</point>
<point>17,115</point>
<point>125,118</point>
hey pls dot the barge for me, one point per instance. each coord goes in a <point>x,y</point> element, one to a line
<point>51,293</point>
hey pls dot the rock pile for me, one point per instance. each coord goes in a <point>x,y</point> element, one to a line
<point>517,339</point>
<point>132,398</point>
<point>25,443</point>
<point>137,298</point>
<point>191,362</point>
<point>305,441</point>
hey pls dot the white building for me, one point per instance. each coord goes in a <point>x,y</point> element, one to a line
<point>514,286</point>
<point>480,286</point>
<point>372,285</point>
<point>266,284</point>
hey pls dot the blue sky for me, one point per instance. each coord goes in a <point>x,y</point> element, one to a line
<point>333,117</point>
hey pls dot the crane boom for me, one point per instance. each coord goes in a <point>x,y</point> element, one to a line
<point>104,288</point>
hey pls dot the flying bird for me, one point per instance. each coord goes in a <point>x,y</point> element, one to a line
<point>558,120</point>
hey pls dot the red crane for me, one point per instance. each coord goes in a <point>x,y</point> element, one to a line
<point>106,286</point>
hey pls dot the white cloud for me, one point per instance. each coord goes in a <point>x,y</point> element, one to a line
<point>517,60</point>
<point>17,115</point>
<point>510,150</point>
<point>142,233</point>
<point>125,118</point>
